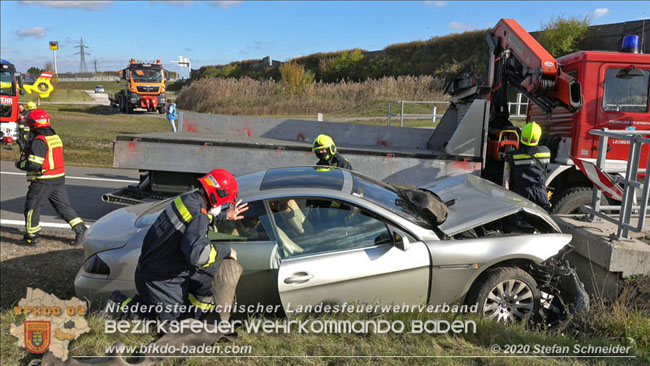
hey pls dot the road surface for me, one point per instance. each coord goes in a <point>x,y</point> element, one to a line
<point>85,187</point>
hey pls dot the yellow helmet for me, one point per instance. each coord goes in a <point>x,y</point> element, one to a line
<point>324,142</point>
<point>531,133</point>
<point>31,106</point>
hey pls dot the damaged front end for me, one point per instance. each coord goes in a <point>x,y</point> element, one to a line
<point>564,297</point>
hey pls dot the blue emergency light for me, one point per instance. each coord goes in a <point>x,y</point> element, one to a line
<point>630,44</point>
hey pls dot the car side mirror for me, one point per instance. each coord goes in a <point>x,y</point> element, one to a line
<point>401,241</point>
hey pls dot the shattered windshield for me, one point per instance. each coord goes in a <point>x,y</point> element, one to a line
<point>147,76</point>
<point>387,197</point>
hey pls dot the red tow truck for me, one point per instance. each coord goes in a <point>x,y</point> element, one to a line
<point>568,97</point>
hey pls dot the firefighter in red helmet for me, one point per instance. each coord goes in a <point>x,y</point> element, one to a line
<point>43,162</point>
<point>177,261</point>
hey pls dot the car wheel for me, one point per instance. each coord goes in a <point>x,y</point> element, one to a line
<point>507,294</point>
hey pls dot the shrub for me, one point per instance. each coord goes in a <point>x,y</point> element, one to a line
<point>560,36</point>
<point>294,78</point>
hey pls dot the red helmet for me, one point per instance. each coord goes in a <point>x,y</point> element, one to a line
<point>220,186</point>
<point>38,118</point>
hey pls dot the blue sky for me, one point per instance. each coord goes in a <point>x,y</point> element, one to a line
<point>218,32</point>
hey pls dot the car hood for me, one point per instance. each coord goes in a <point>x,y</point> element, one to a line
<point>115,229</point>
<point>473,201</point>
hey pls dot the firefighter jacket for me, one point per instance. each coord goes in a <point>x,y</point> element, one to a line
<point>177,243</point>
<point>528,173</point>
<point>44,157</point>
<point>336,160</point>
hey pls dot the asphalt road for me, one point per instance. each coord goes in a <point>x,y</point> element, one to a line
<point>85,187</point>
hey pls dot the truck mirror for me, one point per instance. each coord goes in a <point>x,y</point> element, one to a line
<point>629,73</point>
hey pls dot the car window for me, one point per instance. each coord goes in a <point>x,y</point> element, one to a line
<point>317,225</point>
<point>625,94</point>
<point>252,228</point>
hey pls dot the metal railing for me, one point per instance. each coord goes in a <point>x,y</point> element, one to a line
<point>433,115</point>
<point>630,182</point>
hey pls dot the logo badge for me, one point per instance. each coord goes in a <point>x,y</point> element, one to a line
<point>37,335</point>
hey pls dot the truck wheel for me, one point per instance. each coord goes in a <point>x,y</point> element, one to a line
<point>161,110</point>
<point>129,109</point>
<point>569,201</point>
<point>506,294</point>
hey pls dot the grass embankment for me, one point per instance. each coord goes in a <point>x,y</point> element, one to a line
<point>88,132</point>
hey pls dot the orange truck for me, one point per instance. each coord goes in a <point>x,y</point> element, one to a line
<point>145,88</point>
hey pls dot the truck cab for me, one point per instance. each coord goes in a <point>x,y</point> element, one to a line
<point>615,89</point>
<point>9,90</point>
<point>145,87</point>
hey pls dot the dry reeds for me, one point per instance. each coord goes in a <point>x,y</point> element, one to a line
<point>252,97</point>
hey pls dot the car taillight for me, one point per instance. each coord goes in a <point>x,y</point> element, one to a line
<point>95,265</point>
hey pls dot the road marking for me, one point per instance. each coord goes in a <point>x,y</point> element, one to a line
<point>43,224</point>
<point>85,178</point>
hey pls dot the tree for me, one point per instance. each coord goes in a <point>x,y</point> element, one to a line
<point>49,66</point>
<point>560,36</point>
<point>34,72</point>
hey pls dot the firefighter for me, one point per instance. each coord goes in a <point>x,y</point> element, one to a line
<point>325,151</point>
<point>528,166</point>
<point>176,264</point>
<point>43,162</point>
<point>23,129</point>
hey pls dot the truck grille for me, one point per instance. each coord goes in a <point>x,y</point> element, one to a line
<point>148,89</point>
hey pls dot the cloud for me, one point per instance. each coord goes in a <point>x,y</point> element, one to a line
<point>438,4</point>
<point>226,4</point>
<point>38,32</point>
<point>176,3</point>
<point>458,26</point>
<point>600,12</point>
<point>188,50</point>
<point>86,5</point>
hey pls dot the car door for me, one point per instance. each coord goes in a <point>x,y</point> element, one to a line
<point>334,252</point>
<point>256,248</point>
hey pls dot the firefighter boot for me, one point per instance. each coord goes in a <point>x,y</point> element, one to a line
<point>79,231</point>
<point>31,240</point>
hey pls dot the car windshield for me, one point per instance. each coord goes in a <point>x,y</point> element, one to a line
<point>387,197</point>
<point>146,75</point>
<point>7,85</point>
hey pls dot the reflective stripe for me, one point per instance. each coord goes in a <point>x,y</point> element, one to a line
<point>524,162</point>
<point>543,155</point>
<point>521,156</point>
<point>50,176</point>
<point>213,256</point>
<point>178,224</point>
<point>28,224</point>
<point>185,213</point>
<point>544,160</point>
<point>125,303</point>
<point>200,304</point>
<point>76,221</point>
<point>36,159</point>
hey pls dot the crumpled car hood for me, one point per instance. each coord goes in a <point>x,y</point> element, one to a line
<point>477,201</point>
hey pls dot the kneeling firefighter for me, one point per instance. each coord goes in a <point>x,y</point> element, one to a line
<point>176,264</point>
<point>528,166</point>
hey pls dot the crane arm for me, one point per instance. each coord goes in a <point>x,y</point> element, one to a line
<point>518,59</point>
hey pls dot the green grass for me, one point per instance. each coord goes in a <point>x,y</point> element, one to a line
<point>332,349</point>
<point>59,95</point>
<point>88,132</point>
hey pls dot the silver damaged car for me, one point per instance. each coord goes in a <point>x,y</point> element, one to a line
<point>315,235</point>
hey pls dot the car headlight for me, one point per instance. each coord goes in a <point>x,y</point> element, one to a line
<point>96,265</point>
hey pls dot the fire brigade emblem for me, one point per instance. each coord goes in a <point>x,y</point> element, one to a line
<point>37,335</point>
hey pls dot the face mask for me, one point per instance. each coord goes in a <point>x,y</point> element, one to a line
<point>214,211</point>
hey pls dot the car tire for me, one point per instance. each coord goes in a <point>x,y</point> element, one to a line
<point>506,294</point>
<point>570,201</point>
